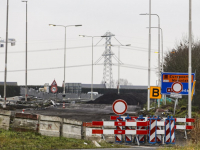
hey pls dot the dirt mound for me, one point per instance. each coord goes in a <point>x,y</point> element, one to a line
<point>130,98</point>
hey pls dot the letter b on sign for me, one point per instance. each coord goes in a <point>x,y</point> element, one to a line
<point>155,92</point>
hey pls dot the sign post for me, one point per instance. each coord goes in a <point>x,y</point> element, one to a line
<point>54,87</point>
<point>119,107</point>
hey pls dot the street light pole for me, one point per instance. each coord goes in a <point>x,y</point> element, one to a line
<point>159,52</point>
<point>64,62</point>
<point>92,61</point>
<point>118,68</point>
<point>159,76</point>
<point>119,64</point>
<point>149,59</point>
<point>92,71</point>
<point>6,49</point>
<point>26,89</point>
<point>190,60</point>
<point>64,50</point>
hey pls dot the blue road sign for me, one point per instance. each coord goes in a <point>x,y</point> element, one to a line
<point>168,79</point>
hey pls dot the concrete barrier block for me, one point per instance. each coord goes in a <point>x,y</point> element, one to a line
<point>50,118</point>
<point>4,122</point>
<point>21,124</point>
<point>27,116</point>
<point>72,131</point>
<point>5,112</point>
<point>49,128</point>
<point>74,122</point>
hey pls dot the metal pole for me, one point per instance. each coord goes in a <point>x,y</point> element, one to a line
<point>159,57</point>
<point>162,47</point>
<point>162,59</point>
<point>190,58</point>
<point>149,59</point>
<point>64,61</point>
<point>118,67</point>
<point>92,72</point>
<point>5,72</point>
<point>26,90</point>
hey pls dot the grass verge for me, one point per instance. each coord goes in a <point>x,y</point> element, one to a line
<point>10,140</point>
<point>189,146</point>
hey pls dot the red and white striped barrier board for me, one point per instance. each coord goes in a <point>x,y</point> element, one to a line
<point>152,131</point>
<point>137,124</point>
<point>184,119</point>
<point>167,134</point>
<point>156,128</point>
<point>158,137</point>
<point>141,137</point>
<point>115,117</point>
<point>172,131</point>
<point>131,131</point>
<point>118,137</point>
<point>128,138</point>
<point>146,118</point>
<point>120,123</point>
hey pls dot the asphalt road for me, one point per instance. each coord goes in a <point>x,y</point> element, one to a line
<point>81,112</point>
<point>133,147</point>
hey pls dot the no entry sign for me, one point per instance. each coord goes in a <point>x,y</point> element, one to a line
<point>177,87</point>
<point>54,89</point>
<point>119,107</point>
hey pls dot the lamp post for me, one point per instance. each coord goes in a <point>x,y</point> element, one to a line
<point>5,72</point>
<point>64,49</point>
<point>119,64</point>
<point>190,60</point>
<point>159,54</point>
<point>92,61</point>
<point>26,56</point>
<point>149,59</point>
<point>159,77</point>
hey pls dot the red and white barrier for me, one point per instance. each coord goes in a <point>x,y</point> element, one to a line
<point>128,138</point>
<point>63,105</point>
<point>146,118</point>
<point>131,131</point>
<point>152,131</point>
<point>157,128</point>
<point>172,131</point>
<point>120,123</point>
<point>119,127</point>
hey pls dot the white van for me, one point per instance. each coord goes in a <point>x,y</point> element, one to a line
<point>94,93</point>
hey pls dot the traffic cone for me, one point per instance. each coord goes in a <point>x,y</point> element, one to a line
<point>63,105</point>
<point>22,110</point>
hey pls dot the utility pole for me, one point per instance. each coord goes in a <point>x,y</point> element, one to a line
<point>5,72</point>
<point>149,59</point>
<point>190,60</point>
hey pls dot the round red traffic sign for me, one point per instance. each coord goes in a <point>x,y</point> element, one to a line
<point>177,87</point>
<point>54,89</point>
<point>119,107</point>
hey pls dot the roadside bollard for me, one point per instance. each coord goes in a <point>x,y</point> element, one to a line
<point>63,105</point>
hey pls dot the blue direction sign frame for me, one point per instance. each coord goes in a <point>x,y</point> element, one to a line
<point>168,78</point>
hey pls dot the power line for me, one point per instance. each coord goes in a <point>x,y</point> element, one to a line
<point>122,65</point>
<point>50,49</point>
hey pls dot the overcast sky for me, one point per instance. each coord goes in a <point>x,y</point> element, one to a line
<point>121,17</point>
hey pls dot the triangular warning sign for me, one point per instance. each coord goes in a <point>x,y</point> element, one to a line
<point>54,83</point>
